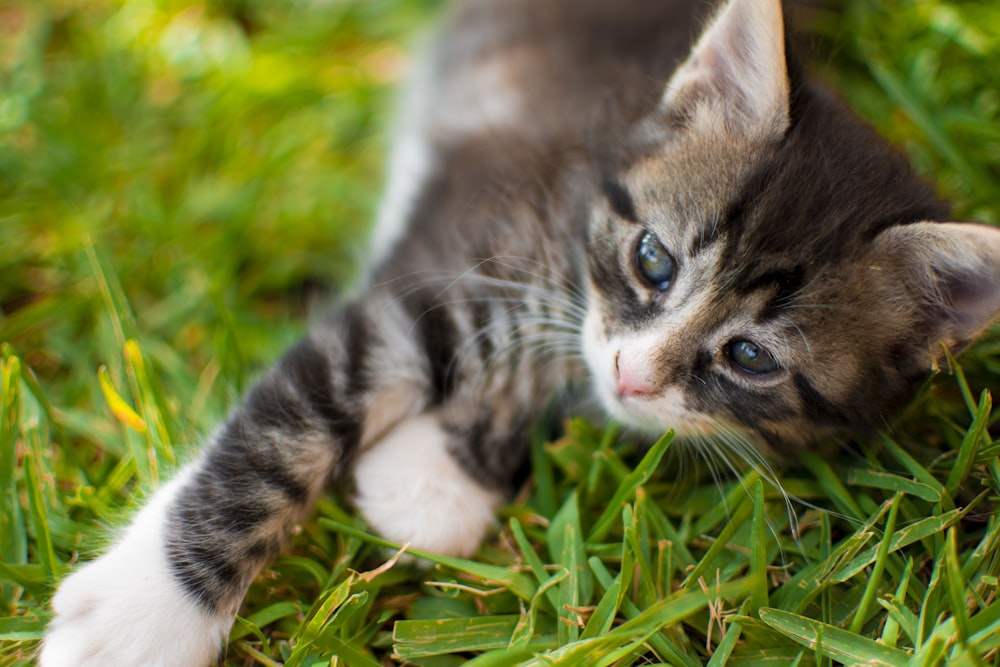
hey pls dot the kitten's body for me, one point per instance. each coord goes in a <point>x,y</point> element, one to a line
<point>546,150</point>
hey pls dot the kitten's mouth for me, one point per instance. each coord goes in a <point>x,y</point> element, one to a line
<point>649,410</point>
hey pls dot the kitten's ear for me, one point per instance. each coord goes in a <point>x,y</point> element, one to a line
<point>738,70</point>
<point>954,268</point>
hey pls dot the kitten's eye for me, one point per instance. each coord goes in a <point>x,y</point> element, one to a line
<point>654,262</point>
<point>751,358</point>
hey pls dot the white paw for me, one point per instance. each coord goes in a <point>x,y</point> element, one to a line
<point>410,489</point>
<point>125,608</point>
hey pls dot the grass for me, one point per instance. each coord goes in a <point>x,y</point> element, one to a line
<point>178,183</point>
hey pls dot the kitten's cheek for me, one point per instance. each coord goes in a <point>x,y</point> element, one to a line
<point>600,362</point>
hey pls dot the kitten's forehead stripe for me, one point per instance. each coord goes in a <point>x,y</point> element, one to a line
<point>620,200</point>
<point>787,281</point>
<point>783,283</point>
<point>705,239</point>
<point>737,216</point>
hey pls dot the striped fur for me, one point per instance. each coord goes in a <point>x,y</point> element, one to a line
<point>555,134</point>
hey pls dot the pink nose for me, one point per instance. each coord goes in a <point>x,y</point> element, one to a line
<point>630,381</point>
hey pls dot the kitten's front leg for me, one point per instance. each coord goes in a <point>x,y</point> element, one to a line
<point>167,592</point>
<point>434,478</point>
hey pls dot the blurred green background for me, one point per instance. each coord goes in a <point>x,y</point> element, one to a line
<point>224,157</point>
<point>199,175</point>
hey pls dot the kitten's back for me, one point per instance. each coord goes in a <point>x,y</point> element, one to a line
<point>511,113</point>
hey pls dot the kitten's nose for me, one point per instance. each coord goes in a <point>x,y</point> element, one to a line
<point>630,381</point>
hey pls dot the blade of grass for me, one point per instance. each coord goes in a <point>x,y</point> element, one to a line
<point>830,482</point>
<point>564,542</point>
<point>425,637</point>
<point>664,646</point>
<point>963,383</point>
<point>740,513</point>
<point>875,580</point>
<point>640,475</point>
<point>634,551</point>
<point>970,443</point>
<point>542,469</point>
<point>890,631</point>
<point>653,620</point>
<point>39,521</point>
<point>917,470</point>
<point>154,408</point>
<point>321,613</point>
<point>115,302</point>
<point>902,537</point>
<point>524,632</point>
<point>607,608</point>
<point>900,618</point>
<point>570,595</point>
<point>758,550</point>
<point>517,582</point>
<point>266,616</point>
<point>833,642</point>
<point>13,531</point>
<point>535,563</point>
<point>721,654</point>
<point>130,419</point>
<point>954,585</point>
<point>930,605</point>
<point>878,479</point>
<point>21,629</point>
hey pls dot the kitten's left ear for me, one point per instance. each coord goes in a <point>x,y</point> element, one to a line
<point>954,269</point>
<point>737,71</point>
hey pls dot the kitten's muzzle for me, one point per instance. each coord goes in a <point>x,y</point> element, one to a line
<point>631,382</point>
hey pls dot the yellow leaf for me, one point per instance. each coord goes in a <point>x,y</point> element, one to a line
<point>122,410</point>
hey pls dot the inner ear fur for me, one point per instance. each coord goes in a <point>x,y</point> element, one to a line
<point>952,269</point>
<point>738,71</point>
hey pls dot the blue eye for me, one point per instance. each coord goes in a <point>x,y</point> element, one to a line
<point>654,262</point>
<point>751,358</point>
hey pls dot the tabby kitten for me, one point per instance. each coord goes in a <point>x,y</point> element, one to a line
<point>717,242</point>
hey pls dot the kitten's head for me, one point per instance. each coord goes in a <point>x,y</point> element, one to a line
<point>768,263</point>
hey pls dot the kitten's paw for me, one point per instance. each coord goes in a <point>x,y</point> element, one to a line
<point>112,613</point>
<point>126,609</point>
<point>410,489</point>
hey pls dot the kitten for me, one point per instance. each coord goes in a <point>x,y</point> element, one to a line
<point>716,242</point>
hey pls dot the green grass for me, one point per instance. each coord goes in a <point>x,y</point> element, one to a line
<point>178,183</point>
